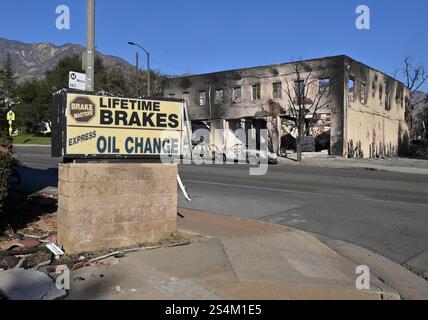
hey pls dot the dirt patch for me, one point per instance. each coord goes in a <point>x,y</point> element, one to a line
<point>171,240</point>
<point>32,223</point>
<point>33,215</point>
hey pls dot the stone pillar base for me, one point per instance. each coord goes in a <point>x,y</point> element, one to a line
<point>115,205</point>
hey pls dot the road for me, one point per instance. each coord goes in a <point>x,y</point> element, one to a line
<point>382,211</point>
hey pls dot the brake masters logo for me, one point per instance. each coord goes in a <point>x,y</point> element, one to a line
<point>82,109</point>
<point>116,126</point>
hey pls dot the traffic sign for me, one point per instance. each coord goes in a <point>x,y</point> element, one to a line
<point>77,81</point>
<point>11,116</point>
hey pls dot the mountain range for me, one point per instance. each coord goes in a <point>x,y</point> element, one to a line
<point>32,60</point>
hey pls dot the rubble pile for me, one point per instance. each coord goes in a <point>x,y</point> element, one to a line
<point>29,250</point>
<point>31,260</point>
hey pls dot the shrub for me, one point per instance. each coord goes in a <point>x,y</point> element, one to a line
<point>7,161</point>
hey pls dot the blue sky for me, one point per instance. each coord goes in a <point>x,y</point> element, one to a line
<point>197,36</point>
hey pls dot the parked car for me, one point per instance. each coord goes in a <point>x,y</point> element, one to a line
<point>252,156</point>
<point>44,128</point>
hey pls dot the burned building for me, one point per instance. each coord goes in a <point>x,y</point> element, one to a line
<point>361,113</point>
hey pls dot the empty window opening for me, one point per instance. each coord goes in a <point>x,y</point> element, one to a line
<point>299,88</point>
<point>186,98</point>
<point>351,89</point>
<point>202,98</point>
<point>219,96</point>
<point>363,93</point>
<point>277,90</point>
<point>324,86</point>
<point>387,101</point>
<point>236,95</point>
<point>256,94</point>
<point>407,110</point>
<point>399,97</point>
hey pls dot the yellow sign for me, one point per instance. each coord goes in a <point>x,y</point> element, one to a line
<point>114,126</point>
<point>11,116</point>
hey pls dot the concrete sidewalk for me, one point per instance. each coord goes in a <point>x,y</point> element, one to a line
<point>323,160</point>
<point>229,258</point>
<point>32,145</point>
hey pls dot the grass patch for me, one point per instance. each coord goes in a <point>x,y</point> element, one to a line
<point>31,139</point>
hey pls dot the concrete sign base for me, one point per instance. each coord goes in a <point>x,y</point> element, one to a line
<point>115,205</point>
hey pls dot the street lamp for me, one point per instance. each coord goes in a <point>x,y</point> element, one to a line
<point>148,64</point>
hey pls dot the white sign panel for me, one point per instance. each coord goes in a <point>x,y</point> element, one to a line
<point>77,81</point>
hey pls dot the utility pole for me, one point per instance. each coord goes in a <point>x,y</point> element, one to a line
<point>90,45</point>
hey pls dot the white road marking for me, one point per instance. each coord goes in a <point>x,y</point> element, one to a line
<point>357,197</point>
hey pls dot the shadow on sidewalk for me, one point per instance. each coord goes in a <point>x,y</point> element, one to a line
<point>24,205</point>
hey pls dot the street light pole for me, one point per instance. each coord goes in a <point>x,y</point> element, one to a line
<point>148,64</point>
<point>90,45</point>
<point>137,75</point>
<point>148,74</point>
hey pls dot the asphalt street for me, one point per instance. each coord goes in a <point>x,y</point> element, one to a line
<point>382,211</point>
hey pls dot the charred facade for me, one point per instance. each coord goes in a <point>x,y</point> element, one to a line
<point>363,114</point>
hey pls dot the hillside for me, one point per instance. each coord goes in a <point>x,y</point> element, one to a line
<point>33,60</point>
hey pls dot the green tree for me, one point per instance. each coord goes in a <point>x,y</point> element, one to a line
<point>57,77</point>
<point>112,80</point>
<point>35,96</point>
<point>35,105</point>
<point>7,83</point>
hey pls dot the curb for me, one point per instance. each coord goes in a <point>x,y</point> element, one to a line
<point>33,145</point>
<point>397,169</point>
<point>408,284</point>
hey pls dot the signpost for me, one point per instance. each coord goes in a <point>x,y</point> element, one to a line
<point>10,119</point>
<point>110,146</point>
<point>93,126</point>
<point>77,81</point>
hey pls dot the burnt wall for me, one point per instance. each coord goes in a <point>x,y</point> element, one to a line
<point>359,127</point>
<point>190,87</point>
<point>375,122</point>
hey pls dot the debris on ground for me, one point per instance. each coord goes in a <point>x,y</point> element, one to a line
<point>46,194</point>
<point>29,250</point>
<point>29,228</point>
<point>45,257</point>
<point>57,251</point>
<point>8,262</point>
<point>7,245</point>
<point>20,284</point>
